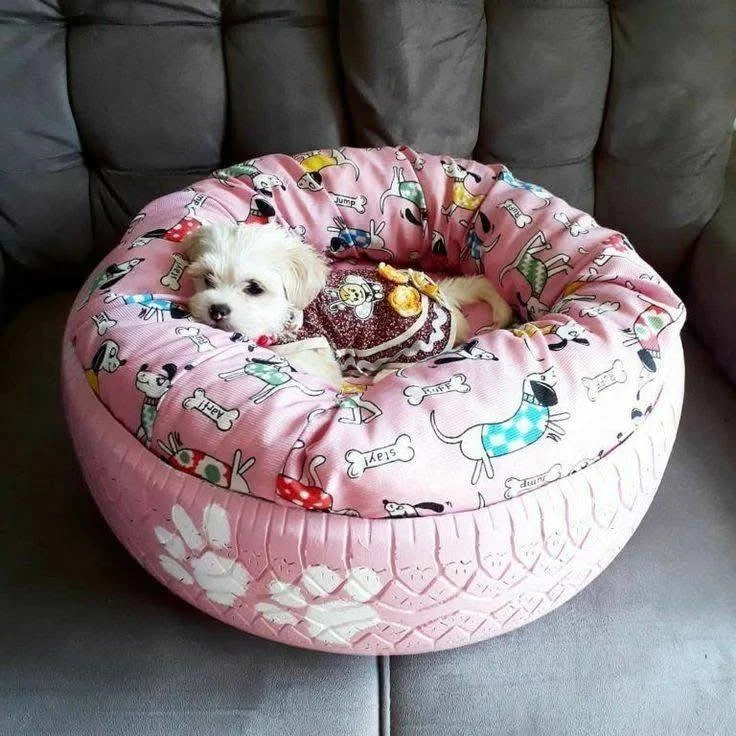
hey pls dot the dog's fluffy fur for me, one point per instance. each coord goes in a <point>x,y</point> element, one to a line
<point>257,280</point>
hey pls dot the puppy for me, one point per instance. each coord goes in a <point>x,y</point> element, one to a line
<point>258,279</point>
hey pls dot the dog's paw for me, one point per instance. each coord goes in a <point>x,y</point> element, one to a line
<point>334,608</point>
<point>195,556</point>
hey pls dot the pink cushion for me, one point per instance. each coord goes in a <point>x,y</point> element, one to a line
<point>481,447</point>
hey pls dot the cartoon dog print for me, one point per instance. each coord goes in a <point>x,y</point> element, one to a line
<point>536,272</point>
<point>356,293</point>
<point>204,466</point>
<point>571,294</point>
<point>262,182</point>
<point>439,245</point>
<point>415,159</point>
<point>368,241</point>
<point>260,211</point>
<point>475,246</point>
<point>396,510</point>
<point>350,399</point>
<point>508,178</point>
<point>586,462</point>
<point>107,359</point>
<point>566,334</point>
<point>103,322</point>
<point>462,197</point>
<point>314,162</point>
<point>529,423</point>
<point>411,193</point>
<point>616,246</point>
<point>645,332</point>
<point>110,276</point>
<point>132,226</point>
<point>154,385</point>
<point>275,372</point>
<point>151,306</point>
<point>467,351</point>
<point>179,230</point>
<point>305,490</point>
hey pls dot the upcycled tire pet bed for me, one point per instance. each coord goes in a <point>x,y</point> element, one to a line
<point>450,502</point>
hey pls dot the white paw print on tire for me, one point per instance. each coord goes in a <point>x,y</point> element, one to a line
<point>193,554</point>
<point>333,607</point>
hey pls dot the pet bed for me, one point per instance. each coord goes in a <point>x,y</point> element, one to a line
<point>452,501</point>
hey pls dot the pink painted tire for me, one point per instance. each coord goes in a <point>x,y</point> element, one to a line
<point>488,545</point>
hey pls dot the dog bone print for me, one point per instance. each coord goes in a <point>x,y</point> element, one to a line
<point>596,384</point>
<point>575,228</point>
<point>222,417</point>
<point>200,341</point>
<point>172,280</point>
<point>520,218</point>
<point>598,309</point>
<point>103,322</point>
<point>519,486</point>
<point>356,203</point>
<point>457,384</point>
<point>399,451</point>
<point>197,201</point>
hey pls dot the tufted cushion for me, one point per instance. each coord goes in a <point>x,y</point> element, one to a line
<point>107,105</point>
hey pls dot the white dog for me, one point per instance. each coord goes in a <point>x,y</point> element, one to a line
<point>258,279</point>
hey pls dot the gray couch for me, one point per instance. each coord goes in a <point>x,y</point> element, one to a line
<point>624,108</point>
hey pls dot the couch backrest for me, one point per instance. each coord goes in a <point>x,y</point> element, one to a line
<point>622,108</point>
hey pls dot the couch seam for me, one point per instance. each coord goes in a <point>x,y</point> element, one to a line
<point>384,695</point>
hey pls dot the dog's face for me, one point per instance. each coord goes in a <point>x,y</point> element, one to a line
<point>251,278</point>
<point>540,385</point>
<point>155,384</point>
<point>107,357</point>
<point>453,169</point>
<point>353,294</point>
<point>266,183</point>
<point>396,510</point>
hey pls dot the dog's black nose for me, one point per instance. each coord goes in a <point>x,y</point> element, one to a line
<point>218,311</point>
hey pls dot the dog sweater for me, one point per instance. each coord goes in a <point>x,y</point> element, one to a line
<point>356,315</point>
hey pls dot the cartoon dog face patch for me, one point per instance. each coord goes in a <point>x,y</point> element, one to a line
<point>356,293</point>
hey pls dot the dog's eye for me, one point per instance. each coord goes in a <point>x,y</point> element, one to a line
<point>209,280</point>
<point>253,288</point>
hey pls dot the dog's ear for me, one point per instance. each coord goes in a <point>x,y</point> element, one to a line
<point>194,245</point>
<point>438,508</point>
<point>305,274</point>
<point>543,393</point>
<point>169,369</point>
<point>99,357</point>
<point>647,360</point>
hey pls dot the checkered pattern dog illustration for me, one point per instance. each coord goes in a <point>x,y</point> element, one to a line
<point>275,372</point>
<point>529,423</point>
<point>152,306</point>
<point>537,272</point>
<point>414,205</point>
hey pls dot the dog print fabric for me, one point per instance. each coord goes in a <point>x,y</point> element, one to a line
<point>500,416</point>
